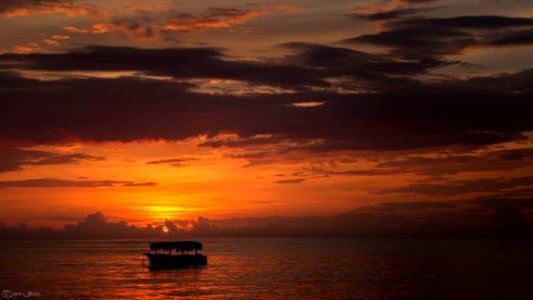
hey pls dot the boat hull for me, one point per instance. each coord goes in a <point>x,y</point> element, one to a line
<point>165,261</point>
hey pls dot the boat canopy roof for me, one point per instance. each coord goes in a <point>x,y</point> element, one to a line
<point>179,246</point>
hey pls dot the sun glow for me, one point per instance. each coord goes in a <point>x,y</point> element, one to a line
<point>169,208</point>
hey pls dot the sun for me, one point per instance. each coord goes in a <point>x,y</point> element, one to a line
<point>165,229</point>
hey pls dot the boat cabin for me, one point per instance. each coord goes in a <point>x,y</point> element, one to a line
<point>186,254</point>
<point>182,247</point>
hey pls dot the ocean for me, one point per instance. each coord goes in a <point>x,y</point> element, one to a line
<point>272,268</point>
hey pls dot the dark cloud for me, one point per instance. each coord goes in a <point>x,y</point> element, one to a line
<point>310,65</point>
<point>453,164</point>
<point>176,162</point>
<point>253,155</point>
<point>508,211</point>
<point>96,225</point>
<point>141,26</point>
<point>183,63</point>
<point>243,142</point>
<point>13,80</point>
<point>414,205</point>
<point>13,159</point>
<point>369,68</point>
<point>514,38</point>
<point>395,13</point>
<point>358,172</point>
<point>52,183</point>
<point>455,187</point>
<point>519,83</point>
<point>470,112</point>
<point>396,113</point>
<point>468,22</point>
<point>433,37</point>
<point>290,181</point>
<point>384,221</point>
<point>437,166</point>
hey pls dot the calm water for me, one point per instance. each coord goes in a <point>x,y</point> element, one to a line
<point>261,268</point>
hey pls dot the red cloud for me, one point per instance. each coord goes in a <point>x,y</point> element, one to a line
<point>217,18</point>
<point>44,7</point>
<point>222,18</point>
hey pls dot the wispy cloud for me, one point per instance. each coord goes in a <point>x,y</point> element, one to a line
<point>14,159</point>
<point>55,183</point>
<point>290,181</point>
<point>455,187</point>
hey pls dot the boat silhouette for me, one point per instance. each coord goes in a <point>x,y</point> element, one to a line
<point>184,256</point>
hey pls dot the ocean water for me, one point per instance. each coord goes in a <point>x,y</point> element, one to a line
<point>272,268</point>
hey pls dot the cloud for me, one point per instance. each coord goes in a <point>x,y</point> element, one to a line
<point>411,205</point>
<point>164,109</point>
<point>14,159</point>
<point>75,29</point>
<point>435,165</point>
<point>183,63</point>
<point>370,69</point>
<point>381,220</point>
<point>141,26</point>
<point>14,8</point>
<point>382,15</point>
<point>508,211</point>
<point>243,142</point>
<point>218,17</point>
<point>15,81</point>
<point>21,49</point>
<point>148,25</point>
<point>215,18</point>
<point>97,28</point>
<point>54,183</point>
<point>176,162</point>
<point>453,164</point>
<point>455,187</point>
<point>311,66</point>
<point>358,172</point>
<point>96,225</point>
<point>290,181</point>
<point>434,37</point>
<point>472,112</point>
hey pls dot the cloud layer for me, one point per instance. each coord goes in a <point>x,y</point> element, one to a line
<point>399,114</point>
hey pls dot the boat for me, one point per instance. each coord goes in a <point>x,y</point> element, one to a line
<point>186,254</point>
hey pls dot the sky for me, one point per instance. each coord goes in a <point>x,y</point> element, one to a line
<point>237,110</point>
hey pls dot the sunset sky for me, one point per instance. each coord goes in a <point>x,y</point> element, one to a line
<point>153,110</point>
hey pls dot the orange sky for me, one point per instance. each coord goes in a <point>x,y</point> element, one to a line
<point>153,110</point>
<point>208,182</point>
